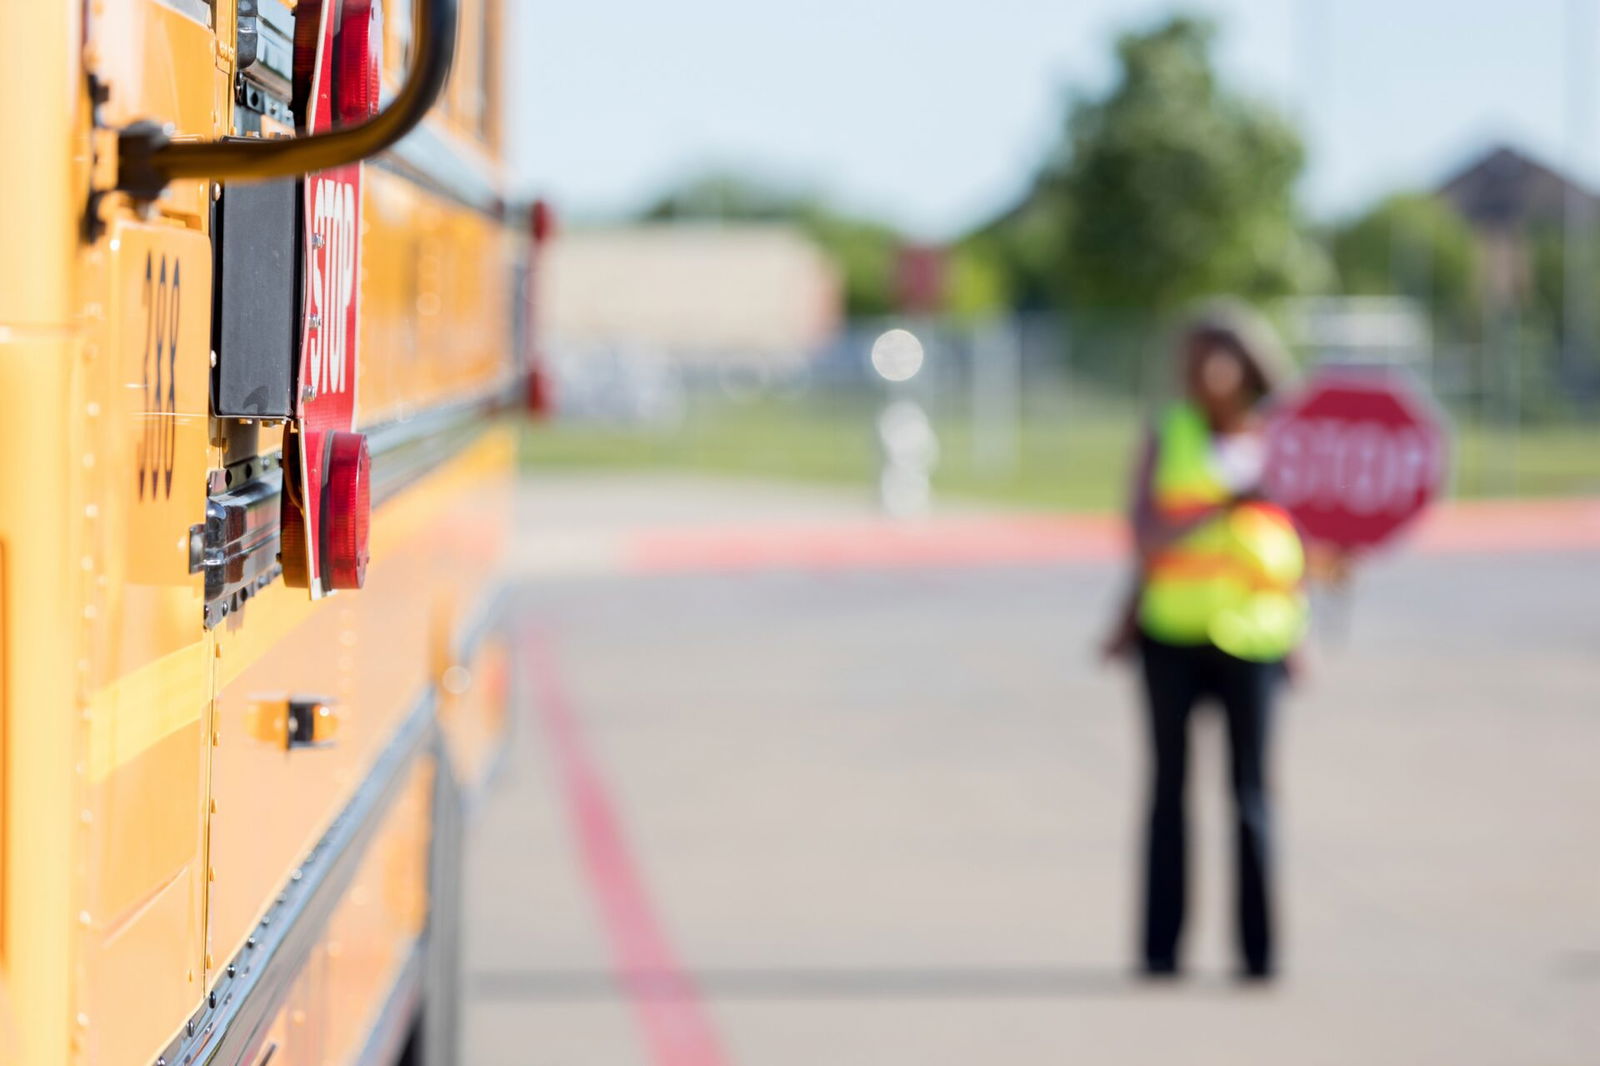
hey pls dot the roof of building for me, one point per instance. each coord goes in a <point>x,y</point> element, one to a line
<point>1505,188</point>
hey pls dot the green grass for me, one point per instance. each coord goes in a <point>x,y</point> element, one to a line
<point>1067,458</point>
<point>1561,460</point>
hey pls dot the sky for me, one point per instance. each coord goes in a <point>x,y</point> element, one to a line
<point>933,114</point>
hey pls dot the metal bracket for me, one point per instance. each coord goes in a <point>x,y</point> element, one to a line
<point>239,543</point>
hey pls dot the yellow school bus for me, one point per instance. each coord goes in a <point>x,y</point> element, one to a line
<point>261,325</point>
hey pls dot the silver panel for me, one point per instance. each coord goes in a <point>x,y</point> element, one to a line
<point>429,158</point>
<point>199,10</point>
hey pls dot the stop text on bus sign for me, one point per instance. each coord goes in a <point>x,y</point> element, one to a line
<point>331,285</point>
<point>325,397</point>
<point>1356,458</point>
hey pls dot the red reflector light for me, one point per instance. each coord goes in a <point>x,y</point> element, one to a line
<point>358,60</point>
<point>541,222</point>
<point>539,398</point>
<point>347,515</point>
<point>307,34</point>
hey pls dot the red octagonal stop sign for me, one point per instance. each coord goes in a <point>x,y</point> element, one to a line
<point>1356,457</point>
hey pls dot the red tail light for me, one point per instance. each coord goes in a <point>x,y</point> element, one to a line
<point>540,396</point>
<point>541,222</point>
<point>347,518</point>
<point>358,60</point>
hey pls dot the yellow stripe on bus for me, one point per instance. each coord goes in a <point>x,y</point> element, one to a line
<point>137,711</point>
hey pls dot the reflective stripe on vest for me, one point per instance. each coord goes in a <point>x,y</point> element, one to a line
<point>1235,580</point>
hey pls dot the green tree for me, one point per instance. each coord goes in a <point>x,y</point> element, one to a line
<point>1415,245</point>
<point>1025,246</point>
<point>976,284</point>
<point>1172,188</point>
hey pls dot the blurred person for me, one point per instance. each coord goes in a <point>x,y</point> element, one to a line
<point>1215,612</point>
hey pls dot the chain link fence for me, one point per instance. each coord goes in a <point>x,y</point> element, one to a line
<point>1043,410</point>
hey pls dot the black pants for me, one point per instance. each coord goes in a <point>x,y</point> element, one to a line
<point>1176,678</point>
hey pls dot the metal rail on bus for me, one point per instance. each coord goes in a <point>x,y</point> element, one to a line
<point>148,158</point>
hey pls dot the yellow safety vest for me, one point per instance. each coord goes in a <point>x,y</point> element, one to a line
<point>1233,581</point>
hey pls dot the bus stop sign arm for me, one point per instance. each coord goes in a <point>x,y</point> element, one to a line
<point>148,158</point>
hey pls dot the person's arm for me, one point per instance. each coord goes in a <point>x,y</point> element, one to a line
<point>1124,631</point>
<point>1154,533</point>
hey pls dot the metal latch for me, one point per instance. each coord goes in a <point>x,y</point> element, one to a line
<point>313,723</point>
<point>237,546</point>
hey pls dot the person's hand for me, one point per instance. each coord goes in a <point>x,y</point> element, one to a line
<point>1120,642</point>
<point>1330,566</point>
<point>1295,669</point>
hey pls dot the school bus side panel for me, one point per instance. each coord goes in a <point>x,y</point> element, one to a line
<point>95,756</point>
<point>272,803</point>
<point>144,826</point>
<point>38,48</point>
<point>146,291</point>
<point>149,658</point>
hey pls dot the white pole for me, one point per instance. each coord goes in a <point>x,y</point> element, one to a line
<point>996,397</point>
<point>1578,228</point>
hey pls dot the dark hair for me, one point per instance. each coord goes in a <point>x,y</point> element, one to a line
<point>1238,330</point>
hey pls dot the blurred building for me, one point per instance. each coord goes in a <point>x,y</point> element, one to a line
<point>697,296</point>
<point>1392,330</point>
<point>1505,195</point>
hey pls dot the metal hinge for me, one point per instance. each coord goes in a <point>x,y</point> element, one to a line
<point>237,546</point>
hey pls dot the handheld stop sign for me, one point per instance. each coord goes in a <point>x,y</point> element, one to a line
<point>1357,457</point>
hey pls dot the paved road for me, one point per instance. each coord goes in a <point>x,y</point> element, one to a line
<point>888,817</point>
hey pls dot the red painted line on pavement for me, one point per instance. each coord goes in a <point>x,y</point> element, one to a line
<point>1484,526</point>
<point>875,544</point>
<point>676,1026</point>
<point>879,544</point>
